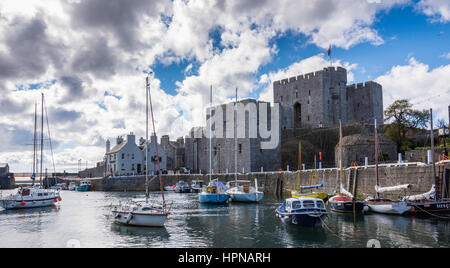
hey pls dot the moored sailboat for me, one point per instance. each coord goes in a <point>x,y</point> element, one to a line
<point>36,195</point>
<point>432,203</point>
<point>344,201</point>
<point>386,206</point>
<point>215,192</point>
<point>144,213</point>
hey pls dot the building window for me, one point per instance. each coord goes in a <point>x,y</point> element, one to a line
<point>308,118</point>
<point>296,94</point>
<point>123,156</point>
<point>240,148</point>
<point>132,156</point>
<point>281,98</point>
<point>309,92</point>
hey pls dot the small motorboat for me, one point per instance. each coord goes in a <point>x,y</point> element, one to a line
<point>241,191</point>
<point>214,193</point>
<point>182,187</point>
<point>302,211</point>
<point>30,197</point>
<point>169,188</point>
<point>72,186</point>
<point>140,214</point>
<point>197,186</point>
<point>85,186</point>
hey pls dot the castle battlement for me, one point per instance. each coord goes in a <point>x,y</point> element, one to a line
<point>309,76</point>
<point>363,85</point>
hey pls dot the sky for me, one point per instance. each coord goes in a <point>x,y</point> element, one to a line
<point>90,59</point>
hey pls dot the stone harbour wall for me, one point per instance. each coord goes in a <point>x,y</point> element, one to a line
<point>280,183</point>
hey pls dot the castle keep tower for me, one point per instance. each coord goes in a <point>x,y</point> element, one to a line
<point>323,98</point>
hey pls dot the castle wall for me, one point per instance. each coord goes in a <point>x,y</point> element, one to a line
<point>365,102</point>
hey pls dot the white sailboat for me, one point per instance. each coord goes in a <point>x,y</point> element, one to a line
<point>242,191</point>
<point>144,213</point>
<point>386,206</point>
<point>34,196</point>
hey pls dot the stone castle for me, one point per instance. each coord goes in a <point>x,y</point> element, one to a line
<point>323,98</point>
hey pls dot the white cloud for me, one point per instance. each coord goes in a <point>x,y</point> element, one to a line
<point>438,10</point>
<point>446,56</point>
<point>426,88</point>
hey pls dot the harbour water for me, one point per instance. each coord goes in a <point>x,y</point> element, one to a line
<point>85,218</point>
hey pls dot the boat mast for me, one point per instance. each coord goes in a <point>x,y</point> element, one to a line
<point>42,137</point>
<point>34,143</point>
<point>376,158</point>
<point>147,168</point>
<point>436,179</point>
<point>156,146</point>
<point>340,157</point>
<point>210,134</point>
<point>235,139</point>
<point>300,165</point>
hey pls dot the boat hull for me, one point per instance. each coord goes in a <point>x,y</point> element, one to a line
<point>213,198</point>
<point>83,188</point>
<point>345,206</point>
<point>394,208</point>
<point>432,208</point>
<point>152,220</point>
<point>322,196</point>
<point>17,204</point>
<point>301,220</point>
<point>247,197</point>
<point>182,190</point>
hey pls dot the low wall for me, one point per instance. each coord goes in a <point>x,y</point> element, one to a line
<point>280,183</point>
<point>7,182</point>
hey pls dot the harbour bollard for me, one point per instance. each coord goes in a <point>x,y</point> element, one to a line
<point>400,160</point>
<point>429,161</point>
<point>366,161</point>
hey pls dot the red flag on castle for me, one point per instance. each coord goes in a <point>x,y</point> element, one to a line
<point>329,55</point>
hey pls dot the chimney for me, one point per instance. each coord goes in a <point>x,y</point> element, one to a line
<point>131,138</point>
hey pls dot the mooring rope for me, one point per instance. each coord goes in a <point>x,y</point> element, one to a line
<point>329,230</point>
<point>431,214</point>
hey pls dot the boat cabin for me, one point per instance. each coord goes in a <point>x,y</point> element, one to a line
<point>295,204</point>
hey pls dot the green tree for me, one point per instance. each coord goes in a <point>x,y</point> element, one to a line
<point>401,118</point>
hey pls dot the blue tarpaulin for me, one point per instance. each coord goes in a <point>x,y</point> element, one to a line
<point>311,186</point>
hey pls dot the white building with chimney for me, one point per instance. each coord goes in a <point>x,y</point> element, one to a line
<point>128,159</point>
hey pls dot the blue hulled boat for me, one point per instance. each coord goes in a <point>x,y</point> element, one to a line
<point>302,211</point>
<point>85,186</point>
<point>214,193</point>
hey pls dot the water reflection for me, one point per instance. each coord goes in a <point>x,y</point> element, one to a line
<point>87,218</point>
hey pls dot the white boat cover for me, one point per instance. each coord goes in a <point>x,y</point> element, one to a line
<point>429,195</point>
<point>345,192</point>
<point>392,188</point>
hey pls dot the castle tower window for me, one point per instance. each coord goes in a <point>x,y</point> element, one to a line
<point>281,98</point>
<point>308,118</point>
<point>309,92</point>
<point>297,115</point>
<point>240,148</point>
<point>296,94</point>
